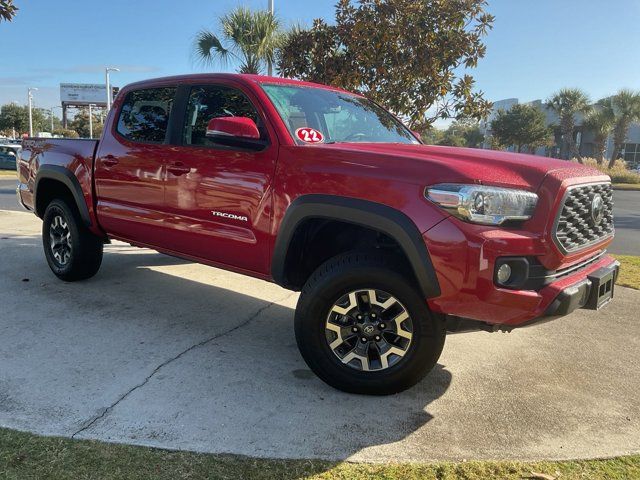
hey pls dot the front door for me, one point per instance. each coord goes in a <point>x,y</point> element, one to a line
<point>217,197</point>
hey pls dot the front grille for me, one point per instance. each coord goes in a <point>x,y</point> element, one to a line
<point>578,225</point>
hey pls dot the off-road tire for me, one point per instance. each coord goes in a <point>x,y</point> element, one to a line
<point>85,251</point>
<point>366,270</point>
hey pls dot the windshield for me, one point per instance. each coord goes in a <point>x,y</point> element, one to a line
<point>315,115</point>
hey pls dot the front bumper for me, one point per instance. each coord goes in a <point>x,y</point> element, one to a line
<point>465,263</point>
<point>594,292</point>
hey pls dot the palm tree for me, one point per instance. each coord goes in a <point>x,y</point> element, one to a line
<point>567,103</point>
<point>626,108</point>
<point>600,121</point>
<point>7,10</point>
<point>251,37</point>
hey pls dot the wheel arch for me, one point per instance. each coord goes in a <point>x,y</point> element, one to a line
<point>372,215</point>
<point>59,177</point>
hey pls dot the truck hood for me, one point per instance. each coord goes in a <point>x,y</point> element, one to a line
<point>436,164</point>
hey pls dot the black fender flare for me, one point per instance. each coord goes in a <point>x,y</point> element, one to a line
<point>365,213</point>
<point>66,177</point>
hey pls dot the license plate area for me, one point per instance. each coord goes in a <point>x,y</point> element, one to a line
<point>602,286</point>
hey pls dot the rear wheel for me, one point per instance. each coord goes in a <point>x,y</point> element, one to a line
<point>362,327</point>
<point>72,251</point>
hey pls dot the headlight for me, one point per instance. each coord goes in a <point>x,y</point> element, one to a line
<point>482,204</point>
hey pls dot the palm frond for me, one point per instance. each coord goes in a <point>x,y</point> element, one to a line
<point>253,37</point>
<point>626,103</point>
<point>208,49</point>
<point>570,101</point>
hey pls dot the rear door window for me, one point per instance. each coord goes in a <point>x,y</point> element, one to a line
<point>144,116</point>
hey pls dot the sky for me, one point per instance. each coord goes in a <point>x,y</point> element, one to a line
<point>535,48</point>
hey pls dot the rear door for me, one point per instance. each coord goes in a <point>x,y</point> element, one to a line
<point>130,166</point>
<point>218,197</point>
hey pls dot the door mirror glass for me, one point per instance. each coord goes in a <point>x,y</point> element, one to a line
<point>235,127</point>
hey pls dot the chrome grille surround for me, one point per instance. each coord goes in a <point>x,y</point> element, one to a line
<point>575,227</point>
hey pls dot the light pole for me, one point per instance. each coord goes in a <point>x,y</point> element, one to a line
<point>13,128</point>
<point>30,97</point>
<point>108,84</point>
<point>55,106</point>
<point>270,66</point>
<point>91,120</point>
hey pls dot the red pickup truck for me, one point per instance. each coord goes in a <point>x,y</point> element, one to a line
<point>391,242</point>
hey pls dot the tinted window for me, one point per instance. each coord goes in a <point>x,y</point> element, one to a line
<point>206,103</point>
<point>144,116</point>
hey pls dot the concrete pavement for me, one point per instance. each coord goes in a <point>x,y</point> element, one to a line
<point>157,351</point>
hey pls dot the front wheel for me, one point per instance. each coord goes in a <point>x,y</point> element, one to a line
<point>72,251</point>
<point>363,328</point>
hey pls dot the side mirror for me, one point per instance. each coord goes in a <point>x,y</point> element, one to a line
<point>241,132</point>
<point>417,135</point>
<point>240,127</point>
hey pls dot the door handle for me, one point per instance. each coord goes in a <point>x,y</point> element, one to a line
<point>109,161</point>
<point>178,169</point>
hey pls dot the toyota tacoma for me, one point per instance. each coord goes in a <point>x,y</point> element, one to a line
<point>392,243</point>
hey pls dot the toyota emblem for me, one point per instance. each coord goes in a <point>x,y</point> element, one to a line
<point>597,209</point>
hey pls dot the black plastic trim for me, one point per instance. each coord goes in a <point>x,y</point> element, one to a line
<point>66,177</point>
<point>537,276</point>
<point>373,215</point>
<point>554,235</point>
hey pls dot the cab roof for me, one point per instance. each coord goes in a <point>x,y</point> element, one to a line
<point>241,77</point>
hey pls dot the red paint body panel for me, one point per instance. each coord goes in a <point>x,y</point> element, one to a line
<point>225,207</point>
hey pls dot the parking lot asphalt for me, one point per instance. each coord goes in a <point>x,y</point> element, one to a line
<point>161,352</point>
<point>8,194</point>
<point>626,215</point>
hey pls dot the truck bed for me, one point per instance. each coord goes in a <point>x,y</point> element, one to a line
<point>68,161</point>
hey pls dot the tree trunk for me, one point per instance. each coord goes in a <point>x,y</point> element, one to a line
<point>567,137</point>
<point>600,149</point>
<point>614,155</point>
<point>619,136</point>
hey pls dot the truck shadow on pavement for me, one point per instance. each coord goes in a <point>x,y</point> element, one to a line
<point>164,353</point>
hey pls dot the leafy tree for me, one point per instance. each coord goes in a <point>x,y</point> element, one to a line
<point>567,103</point>
<point>66,133</point>
<point>463,133</point>
<point>7,10</point>
<point>431,135</point>
<point>626,110</point>
<point>473,136</point>
<point>14,116</point>
<point>600,121</point>
<point>523,126</point>
<point>452,138</point>
<point>404,54</point>
<point>80,123</point>
<point>252,37</point>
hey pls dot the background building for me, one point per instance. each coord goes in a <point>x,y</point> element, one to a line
<point>584,138</point>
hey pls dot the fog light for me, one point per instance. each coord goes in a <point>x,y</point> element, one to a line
<point>504,273</point>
